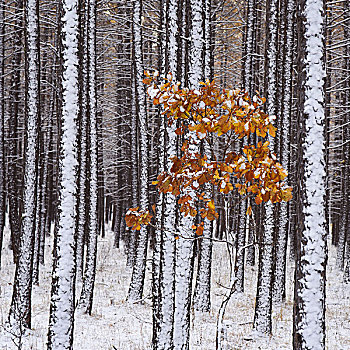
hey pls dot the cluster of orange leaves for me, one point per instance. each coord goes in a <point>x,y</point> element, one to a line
<point>202,113</point>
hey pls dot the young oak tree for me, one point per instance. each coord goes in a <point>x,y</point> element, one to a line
<point>209,112</point>
<point>257,171</point>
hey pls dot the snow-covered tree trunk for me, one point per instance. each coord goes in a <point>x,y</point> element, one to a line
<point>201,298</point>
<point>156,296</point>
<point>38,219</point>
<point>248,72</point>
<point>263,306</point>
<point>346,102</point>
<point>249,47</point>
<point>61,322</point>
<point>83,130</point>
<point>344,119</point>
<point>86,297</point>
<point>240,243</point>
<point>309,302</point>
<point>14,99</point>
<point>247,80</point>
<point>282,227</point>
<point>184,247</point>
<point>168,224</point>
<point>139,269</point>
<point>134,171</point>
<point>2,124</point>
<point>43,206</point>
<point>20,311</point>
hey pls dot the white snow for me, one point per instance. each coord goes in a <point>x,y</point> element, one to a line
<point>314,249</point>
<point>116,323</point>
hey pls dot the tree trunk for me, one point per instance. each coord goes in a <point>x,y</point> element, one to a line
<point>61,322</point>
<point>311,259</point>
<point>282,227</point>
<point>86,297</point>
<point>2,127</point>
<point>139,268</point>
<point>263,306</point>
<point>20,310</point>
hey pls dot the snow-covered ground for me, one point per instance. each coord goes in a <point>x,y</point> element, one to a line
<point>115,324</point>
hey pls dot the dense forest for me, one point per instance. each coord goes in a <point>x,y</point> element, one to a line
<point>183,160</point>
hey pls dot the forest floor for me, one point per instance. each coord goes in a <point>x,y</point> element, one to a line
<point>115,324</point>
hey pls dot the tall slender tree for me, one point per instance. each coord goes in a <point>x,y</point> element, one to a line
<point>201,297</point>
<point>185,247</point>
<point>2,125</point>
<point>311,259</point>
<point>168,225</point>
<point>139,268</point>
<point>61,322</point>
<point>20,311</point>
<point>91,253</point>
<point>13,145</point>
<point>263,306</point>
<point>279,287</point>
<point>83,135</point>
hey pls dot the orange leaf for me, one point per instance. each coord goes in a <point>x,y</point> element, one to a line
<point>211,205</point>
<point>199,231</point>
<point>249,210</point>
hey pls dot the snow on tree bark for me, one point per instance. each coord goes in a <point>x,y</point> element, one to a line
<point>248,52</point>
<point>134,171</point>
<point>61,322</point>
<point>139,269</point>
<point>240,243</point>
<point>82,209</point>
<point>20,310</point>
<point>282,228</point>
<point>2,130</point>
<point>201,298</point>
<point>167,253</point>
<point>346,102</point>
<point>14,98</point>
<point>86,297</point>
<point>263,306</point>
<point>309,303</point>
<point>184,247</point>
<point>156,296</point>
